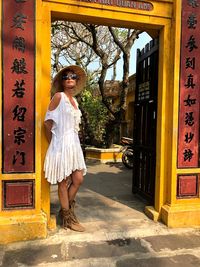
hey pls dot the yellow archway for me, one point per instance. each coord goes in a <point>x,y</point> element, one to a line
<point>159,21</point>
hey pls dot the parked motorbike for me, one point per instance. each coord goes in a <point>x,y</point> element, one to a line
<point>127,155</point>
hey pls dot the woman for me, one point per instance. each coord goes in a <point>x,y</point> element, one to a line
<point>64,162</point>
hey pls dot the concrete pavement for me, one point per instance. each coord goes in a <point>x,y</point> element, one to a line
<point>118,233</point>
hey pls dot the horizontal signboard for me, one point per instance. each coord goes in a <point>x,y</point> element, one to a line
<point>123,3</point>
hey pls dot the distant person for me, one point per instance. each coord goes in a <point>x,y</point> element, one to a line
<point>64,162</point>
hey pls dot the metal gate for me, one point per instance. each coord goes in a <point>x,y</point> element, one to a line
<point>145,117</point>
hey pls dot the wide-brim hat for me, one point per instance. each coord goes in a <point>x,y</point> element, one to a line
<point>80,82</point>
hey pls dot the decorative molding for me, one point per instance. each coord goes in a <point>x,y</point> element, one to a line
<point>187,186</point>
<point>18,194</point>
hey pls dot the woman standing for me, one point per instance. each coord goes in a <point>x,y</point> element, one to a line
<point>64,162</point>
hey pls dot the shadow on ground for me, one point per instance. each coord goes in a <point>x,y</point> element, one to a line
<point>105,195</point>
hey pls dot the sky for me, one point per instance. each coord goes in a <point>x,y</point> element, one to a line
<point>140,43</point>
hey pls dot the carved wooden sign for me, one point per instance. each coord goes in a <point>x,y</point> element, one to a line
<point>146,6</point>
<point>18,67</point>
<point>188,139</point>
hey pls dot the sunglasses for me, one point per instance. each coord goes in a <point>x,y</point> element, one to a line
<point>69,76</point>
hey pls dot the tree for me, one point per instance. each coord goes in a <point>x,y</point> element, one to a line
<point>84,44</point>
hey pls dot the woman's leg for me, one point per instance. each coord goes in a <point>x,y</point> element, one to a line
<point>77,180</point>
<point>66,211</point>
<point>63,194</point>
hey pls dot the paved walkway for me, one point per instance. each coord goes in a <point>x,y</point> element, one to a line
<point>118,233</point>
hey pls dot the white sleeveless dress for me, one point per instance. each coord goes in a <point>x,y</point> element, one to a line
<point>64,154</point>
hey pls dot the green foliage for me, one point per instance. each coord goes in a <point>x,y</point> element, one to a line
<point>96,116</point>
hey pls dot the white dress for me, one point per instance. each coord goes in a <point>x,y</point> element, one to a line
<point>64,154</point>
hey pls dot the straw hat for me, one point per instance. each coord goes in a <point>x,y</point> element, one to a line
<point>80,82</point>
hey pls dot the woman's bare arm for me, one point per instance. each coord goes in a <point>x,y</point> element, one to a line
<point>47,126</point>
<point>49,123</point>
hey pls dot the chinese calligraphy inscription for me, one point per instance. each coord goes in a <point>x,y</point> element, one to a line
<point>18,85</point>
<point>188,140</point>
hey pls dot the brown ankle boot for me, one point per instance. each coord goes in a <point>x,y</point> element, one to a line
<point>72,207</point>
<point>69,222</point>
<point>65,215</point>
<point>74,218</point>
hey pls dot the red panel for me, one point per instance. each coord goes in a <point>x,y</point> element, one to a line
<point>18,73</point>
<point>188,141</point>
<point>187,185</point>
<point>18,194</point>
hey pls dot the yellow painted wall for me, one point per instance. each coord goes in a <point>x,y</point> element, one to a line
<point>104,155</point>
<point>25,224</point>
<point>165,19</point>
<point>129,115</point>
<point>127,126</point>
<point>177,212</point>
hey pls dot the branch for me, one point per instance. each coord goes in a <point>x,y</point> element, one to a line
<point>116,58</point>
<point>131,39</point>
<point>116,40</point>
<point>95,46</point>
<point>79,38</point>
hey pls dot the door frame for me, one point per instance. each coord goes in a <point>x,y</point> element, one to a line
<point>160,20</point>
